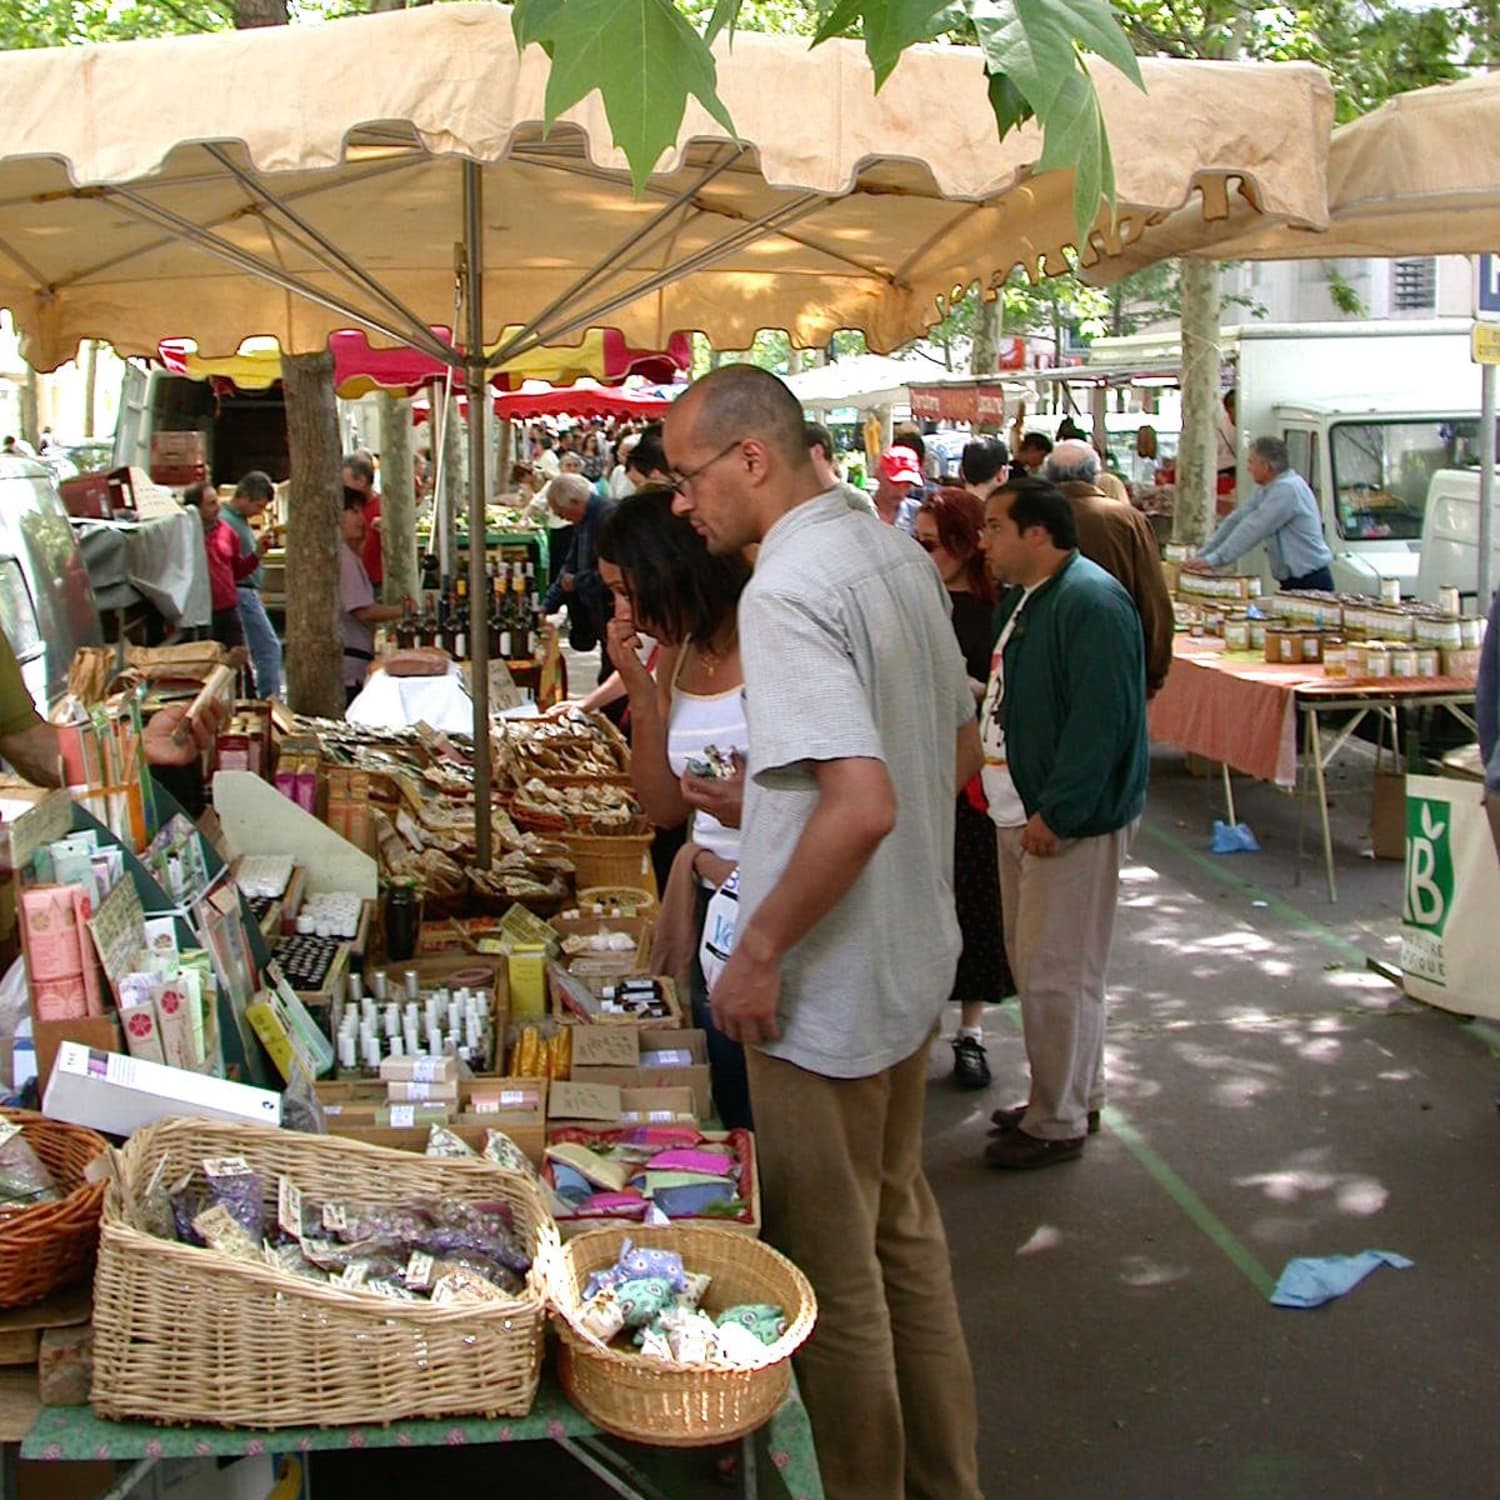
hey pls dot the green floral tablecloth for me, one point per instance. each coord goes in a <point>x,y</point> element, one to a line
<point>75,1433</point>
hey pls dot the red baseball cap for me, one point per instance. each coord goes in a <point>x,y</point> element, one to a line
<point>900,466</point>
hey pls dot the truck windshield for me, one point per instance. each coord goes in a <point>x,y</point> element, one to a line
<point>1381,472</point>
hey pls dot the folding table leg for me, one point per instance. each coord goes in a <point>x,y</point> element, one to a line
<point>1228,793</point>
<point>749,1482</point>
<point>1315,743</point>
<point>611,1468</point>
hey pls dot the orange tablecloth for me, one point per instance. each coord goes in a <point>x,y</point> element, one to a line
<point>1243,711</point>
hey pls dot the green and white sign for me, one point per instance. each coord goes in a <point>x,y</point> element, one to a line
<point>1451,910</point>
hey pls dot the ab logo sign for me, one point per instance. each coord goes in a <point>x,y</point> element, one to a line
<point>1429,887</point>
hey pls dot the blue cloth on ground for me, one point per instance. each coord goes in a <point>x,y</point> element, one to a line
<point>1233,838</point>
<point>1310,1281</point>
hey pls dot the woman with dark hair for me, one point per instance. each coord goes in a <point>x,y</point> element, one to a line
<point>666,583</point>
<point>948,528</point>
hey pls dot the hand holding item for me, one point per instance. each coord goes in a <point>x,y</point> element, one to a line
<point>172,739</point>
<point>1197,565</point>
<point>721,797</point>
<point>1038,839</point>
<point>565,583</point>
<point>745,997</point>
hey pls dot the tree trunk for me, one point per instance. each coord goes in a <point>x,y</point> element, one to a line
<point>398,506</point>
<point>90,383</point>
<point>30,402</point>
<point>248,14</point>
<point>985,355</point>
<point>794,361</point>
<point>1193,511</point>
<point>314,611</point>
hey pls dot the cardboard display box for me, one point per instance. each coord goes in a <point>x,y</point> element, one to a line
<point>455,970</point>
<point>622,1056</point>
<point>604,1106</point>
<point>751,1225</point>
<point>518,1106</point>
<point>569,996</point>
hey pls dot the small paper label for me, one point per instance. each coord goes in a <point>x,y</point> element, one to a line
<point>419,1271</point>
<point>403,1116</point>
<point>419,1088</point>
<point>428,1070</point>
<point>390,1290</point>
<point>672,1058</point>
<point>487,1106</point>
<point>662,1116</point>
<point>289,1207</point>
<point>226,1166</point>
<point>515,1099</point>
<point>353,1276</point>
<point>334,1217</point>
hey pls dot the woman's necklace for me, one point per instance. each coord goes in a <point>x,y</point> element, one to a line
<point>710,657</point>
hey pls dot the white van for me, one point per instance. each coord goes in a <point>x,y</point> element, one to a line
<point>1450,539</point>
<point>47,608</point>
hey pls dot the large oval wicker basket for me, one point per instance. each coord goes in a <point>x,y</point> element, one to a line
<point>183,1334</point>
<point>613,859</point>
<point>52,1245</point>
<point>680,1406</point>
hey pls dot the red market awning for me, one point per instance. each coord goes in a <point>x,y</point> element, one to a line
<point>602,355</point>
<point>976,402</point>
<point>581,401</point>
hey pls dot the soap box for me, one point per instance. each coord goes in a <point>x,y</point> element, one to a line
<point>110,1092</point>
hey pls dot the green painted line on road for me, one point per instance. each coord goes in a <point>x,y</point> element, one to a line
<point>1488,1034</point>
<point>1283,909</point>
<point>1235,1250</point>
<point>1240,1256</point>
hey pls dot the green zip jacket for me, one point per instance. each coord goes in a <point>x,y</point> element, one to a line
<point>1075,702</point>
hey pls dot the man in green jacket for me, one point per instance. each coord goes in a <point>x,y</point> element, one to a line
<point>1065,750</point>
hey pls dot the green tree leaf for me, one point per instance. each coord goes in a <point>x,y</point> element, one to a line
<point>726,13</point>
<point>1009,104</point>
<point>533,20</point>
<point>644,59</point>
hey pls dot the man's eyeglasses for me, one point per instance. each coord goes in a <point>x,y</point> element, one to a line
<point>680,481</point>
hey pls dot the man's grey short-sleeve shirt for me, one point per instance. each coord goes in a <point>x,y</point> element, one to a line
<point>849,653</point>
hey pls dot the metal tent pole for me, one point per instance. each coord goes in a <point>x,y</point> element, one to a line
<point>479,597</point>
<point>1485,582</point>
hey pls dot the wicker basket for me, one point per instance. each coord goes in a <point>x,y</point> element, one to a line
<point>51,1245</point>
<point>183,1334</point>
<point>680,1406</point>
<point>613,859</point>
<point>630,898</point>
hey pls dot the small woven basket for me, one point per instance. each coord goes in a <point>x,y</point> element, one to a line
<point>183,1334</point>
<point>52,1245</point>
<point>628,898</point>
<point>613,859</point>
<point>680,1406</point>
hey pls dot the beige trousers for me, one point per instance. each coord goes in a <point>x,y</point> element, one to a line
<point>886,1374</point>
<point>1059,916</point>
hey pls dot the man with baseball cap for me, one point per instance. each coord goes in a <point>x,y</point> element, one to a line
<point>899,488</point>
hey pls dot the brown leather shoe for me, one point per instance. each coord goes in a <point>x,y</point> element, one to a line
<point>1016,1151</point>
<point>1010,1119</point>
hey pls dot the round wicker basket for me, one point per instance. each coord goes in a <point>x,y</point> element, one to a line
<point>52,1245</point>
<point>680,1406</point>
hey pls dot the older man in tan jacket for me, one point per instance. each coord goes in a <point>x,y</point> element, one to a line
<point>1119,538</point>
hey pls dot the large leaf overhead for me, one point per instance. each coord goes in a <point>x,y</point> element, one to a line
<point>646,58</point>
<point>642,56</point>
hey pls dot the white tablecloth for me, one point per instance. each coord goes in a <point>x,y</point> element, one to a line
<point>399,702</point>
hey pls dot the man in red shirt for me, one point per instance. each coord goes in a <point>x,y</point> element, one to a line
<point>359,474</point>
<point>226,564</point>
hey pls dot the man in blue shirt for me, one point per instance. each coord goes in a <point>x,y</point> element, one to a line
<point>1282,512</point>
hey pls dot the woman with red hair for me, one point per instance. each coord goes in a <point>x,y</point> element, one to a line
<point>947,528</point>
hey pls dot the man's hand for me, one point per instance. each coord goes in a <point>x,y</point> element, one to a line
<point>1197,565</point>
<point>1038,839</point>
<point>745,997</point>
<point>171,739</point>
<point>565,583</point>
<point>720,797</point>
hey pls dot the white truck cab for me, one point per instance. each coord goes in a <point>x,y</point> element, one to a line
<point>1372,468</point>
<point>1450,539</point>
